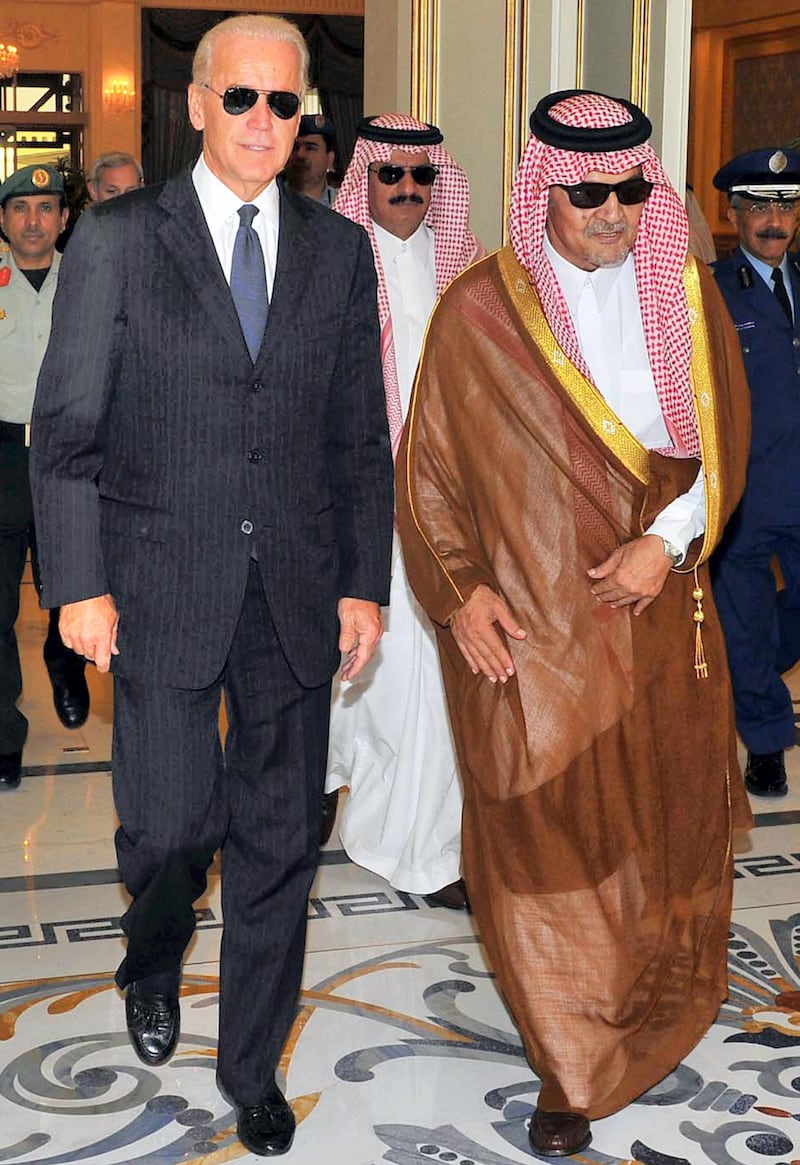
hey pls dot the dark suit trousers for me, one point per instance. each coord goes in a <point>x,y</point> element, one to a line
<point>762,628</point>
<point>16,536</point>
<point>16,526</point>
<point>178,800</point>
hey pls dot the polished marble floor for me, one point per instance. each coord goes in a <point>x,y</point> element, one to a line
<point>402,1051</point>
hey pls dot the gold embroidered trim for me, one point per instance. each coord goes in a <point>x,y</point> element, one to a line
<point>702,382</point>
<point>611,431</point>
<point>593,407</point>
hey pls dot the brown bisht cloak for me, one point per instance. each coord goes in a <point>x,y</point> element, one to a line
<point>601,781</point>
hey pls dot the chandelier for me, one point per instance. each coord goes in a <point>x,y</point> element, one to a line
<point>9,60</point>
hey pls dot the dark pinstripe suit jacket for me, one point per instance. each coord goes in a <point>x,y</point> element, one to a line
<point>157,441</point>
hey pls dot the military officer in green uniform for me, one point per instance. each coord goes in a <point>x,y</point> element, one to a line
<point>32,216</point>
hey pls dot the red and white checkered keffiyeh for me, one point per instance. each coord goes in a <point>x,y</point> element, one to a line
<point>659,254</point>
<point>448,217</point>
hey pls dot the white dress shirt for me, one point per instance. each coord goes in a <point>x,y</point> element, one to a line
<point>604,305</point>
<point>409,268</point>
<point>221,210</point>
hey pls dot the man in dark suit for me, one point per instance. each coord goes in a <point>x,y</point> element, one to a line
<point>760,284</point>
<point>211,492</point>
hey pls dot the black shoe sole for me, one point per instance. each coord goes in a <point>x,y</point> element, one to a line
<point>758,791</point>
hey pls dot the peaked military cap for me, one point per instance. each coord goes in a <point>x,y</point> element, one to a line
<point>316,123</point>
<point>771,175</point>
<point>32,180</point>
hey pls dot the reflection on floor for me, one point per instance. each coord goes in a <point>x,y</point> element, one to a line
<point>402,1051</point>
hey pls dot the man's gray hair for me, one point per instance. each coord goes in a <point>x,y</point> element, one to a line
<point>110,160</point>
<point>256,27</point>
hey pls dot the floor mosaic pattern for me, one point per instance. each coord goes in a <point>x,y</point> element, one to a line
<point>402,1050</point>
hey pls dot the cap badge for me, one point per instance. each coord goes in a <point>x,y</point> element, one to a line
<point>319,120</point>
<point>778,162</point>
<point>40,178</point>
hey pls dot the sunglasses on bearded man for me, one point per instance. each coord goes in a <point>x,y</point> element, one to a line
<point>590,195</point>
<point>237,99</point>
<point>390,175</point>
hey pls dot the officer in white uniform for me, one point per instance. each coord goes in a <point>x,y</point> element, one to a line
<point>32,216</point>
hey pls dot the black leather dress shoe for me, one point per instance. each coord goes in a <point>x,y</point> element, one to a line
<point>266,1129</point>
<point>765,775</point>
<point>454,896</point>
<point>329,804</point>
<point>70,690</point>
<point>154,1023</point>
<point>558,1134</point>
<point>10,769</point>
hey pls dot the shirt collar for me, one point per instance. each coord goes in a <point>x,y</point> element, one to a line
<point>764,269</point>
<point>573,279</point>
<point>417,244</point>
<point>220,203</point>
<point>55,263</point>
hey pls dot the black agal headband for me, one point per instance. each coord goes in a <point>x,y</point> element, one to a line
<point>430,136</point>
<point>583,139</point>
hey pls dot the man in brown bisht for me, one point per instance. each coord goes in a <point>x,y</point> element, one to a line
<point>577,440</point>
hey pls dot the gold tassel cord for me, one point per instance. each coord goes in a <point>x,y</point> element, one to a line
<point>700,663</point>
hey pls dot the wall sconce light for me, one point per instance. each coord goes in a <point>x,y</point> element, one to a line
<point>9,60</point>
<point>119,97</point>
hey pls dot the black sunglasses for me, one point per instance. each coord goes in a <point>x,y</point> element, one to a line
<point>390,175</point>
<point>590,195</point>
<point>237,99</point>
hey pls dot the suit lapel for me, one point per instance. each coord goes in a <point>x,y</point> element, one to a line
<point>185,236</point>
<point>763,289</point>
<point>794,276</point>
<point>294,265</point>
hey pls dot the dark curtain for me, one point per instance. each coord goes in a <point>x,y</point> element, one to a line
<point>169,39</point>
<point>336,47</point>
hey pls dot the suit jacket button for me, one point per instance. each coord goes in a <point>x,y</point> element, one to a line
<point>246,527</point>
<point>255,455</point>
<point>256,386</point>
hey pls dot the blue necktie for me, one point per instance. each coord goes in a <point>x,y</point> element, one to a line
<point>249,281</point>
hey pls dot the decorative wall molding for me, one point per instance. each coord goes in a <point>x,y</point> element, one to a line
<point>312,7</point>
<point>515,95</point>
<point>425,60</point>
<point>26,35</point>
<point>723,121</point>
<point>640,52</point>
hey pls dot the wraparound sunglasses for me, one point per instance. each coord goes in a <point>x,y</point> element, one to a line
<point>590,195</point>
<point>390,175</point>
<point>237,99</point>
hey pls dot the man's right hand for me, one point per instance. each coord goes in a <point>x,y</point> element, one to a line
<point>90,628</point>
<point>478,641</point>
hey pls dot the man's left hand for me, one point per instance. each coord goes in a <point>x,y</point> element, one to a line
<point>633,574</point>
<point>360,629</point>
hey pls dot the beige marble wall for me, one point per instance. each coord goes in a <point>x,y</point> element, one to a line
<point>477,68</point>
